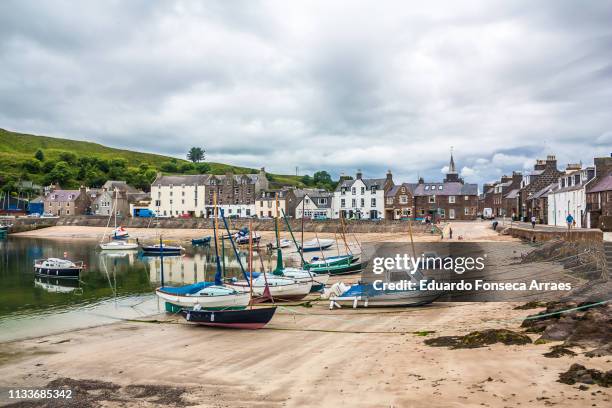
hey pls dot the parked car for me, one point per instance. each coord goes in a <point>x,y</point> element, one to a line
<point>185,215</point>
<point>49,215</point>
<point>34,215</point>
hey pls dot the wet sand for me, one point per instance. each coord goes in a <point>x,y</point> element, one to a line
<point>314,357</point>
<point>309,357</point>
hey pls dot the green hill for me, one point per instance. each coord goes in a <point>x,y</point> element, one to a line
<point>74,162</point>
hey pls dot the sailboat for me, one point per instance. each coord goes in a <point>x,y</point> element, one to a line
<point>202,295</point>
<point>238,319</point>
<point>119,234</point>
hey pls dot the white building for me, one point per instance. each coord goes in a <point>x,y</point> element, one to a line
<point>173,196</point>
<point>315,205</point>
<point>570,198</point>
<point>361,198</point>
<point>266,203</point>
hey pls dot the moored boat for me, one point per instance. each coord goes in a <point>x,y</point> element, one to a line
<point>118,246</point>
<point>59,268</point>
<point>316,245</point>
<point>205,294</point>
<point>340,269</point>
<point>201,241</point>
<point>158,249</point>
<point>316,262</point>
<point>280,288</point>
<point>120,233</point>
<point>237,319</point>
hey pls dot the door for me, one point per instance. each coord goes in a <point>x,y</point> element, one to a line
<point>451,213</point>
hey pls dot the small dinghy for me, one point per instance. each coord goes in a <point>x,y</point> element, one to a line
<point>58,268</point>
<point>318,280</point>
<point>204,294</point>
<point>120,233</point>
<point>204,241</point>
<point>317,262</point>
<point>118,246</point>
<point>283,243</point>
<point>157,249</point>
<point>244,239</point>
<point>317,245</point>
<point>237,319</point>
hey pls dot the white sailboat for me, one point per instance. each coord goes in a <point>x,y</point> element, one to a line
<point>119,234</point>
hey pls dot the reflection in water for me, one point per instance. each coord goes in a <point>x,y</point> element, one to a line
<point>113,285</point>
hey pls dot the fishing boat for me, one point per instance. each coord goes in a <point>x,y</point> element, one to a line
<point>316,245</point>
<point>59,268</point>
<point>119,246</point>
<point>237,319</point>
<point>120,233</point>
<point>319,280</point>
<point>244,239</point>
<point>205,294</point>
<point>204,241</point>
<point>158,249</point>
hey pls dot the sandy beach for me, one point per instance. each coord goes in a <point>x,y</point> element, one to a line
<point>306,357</point>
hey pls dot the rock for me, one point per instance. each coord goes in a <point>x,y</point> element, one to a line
<point>481,338</point>
<point>559,351</point>
<point>578,373</point>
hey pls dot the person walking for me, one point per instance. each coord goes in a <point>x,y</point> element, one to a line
<point>533,222</point>
<point>570,221</point>
<point>450,233</point>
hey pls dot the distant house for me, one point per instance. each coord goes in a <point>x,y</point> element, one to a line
<point>67,202</point>
<point>569,197</point>
<point>118,195</point>
<point>599,195</point>
<point>451,199</point>
<point>399,201</point>
<point>266,203</point>
<point>544,173</point>
<point>313,205</point>
<point>361,198</point>
<point>502,206</point>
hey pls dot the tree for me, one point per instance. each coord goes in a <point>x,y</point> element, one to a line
<point>68,157</point>
<point>31,165</point>
<point>61,173</point>
<point>39,155</point>
<point>307,180</point>
<point>196,154</point>
<point>169,167</point>
<point>322,177</point>
<point>203,168</point>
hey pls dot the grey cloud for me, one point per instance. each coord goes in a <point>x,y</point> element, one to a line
<point>386,85</point>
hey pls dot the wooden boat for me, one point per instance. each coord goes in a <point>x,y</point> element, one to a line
<point>317,262</point>
<point>237,319</point>
<point>58,268</point>
<point>316,245</point>
<point>340,269</point>
<point>283,243</point>
<point>319,280</point>
<point>118,246</point>
<point>201,241</point>
<point>205,294</point>
<point>157,249</point>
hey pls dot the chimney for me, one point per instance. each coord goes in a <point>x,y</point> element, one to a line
<point>603,166</point>
<point>421,181</point>
<point>540,165</point>
<point>262,170</point>
<point>505,179</point>
<point>359,174</point>
<point>551,161</point>
<point>517,177</point>
<point>389,176</point>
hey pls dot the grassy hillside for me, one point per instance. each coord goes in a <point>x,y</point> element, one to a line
<point>91,163</point>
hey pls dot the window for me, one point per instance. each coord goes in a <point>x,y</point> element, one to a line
<point>183,202</point>
<point>183,193</point>
<point>343,190</point>
<point>322,201</point>
<point>373,202</point>
<point>389,200</point>
<point>170,193</point>
<point>362,202</point>
<point>403,199</point>
<point>342,203</point>
<point>67,211</point>
<point>577,179</point>
<point>269,213</point>
<point>354,202</point>
<point>407,212</point>
<point>362,190</point>
<point>465,198</point>
<point>451,199</point>
<point>422,211</point>
<point>170,202</point>
<point>466,211</point>
<point>354,191</point>
<point>248,212</point>
<point>426,187</point>
<point>373,189</point>
<point>442,213</point>
<point>440,187</point>
<point>432,198</point>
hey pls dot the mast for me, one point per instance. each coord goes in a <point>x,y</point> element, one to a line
<point>279,253</point>
<point>302,246</point>
<point>161,259</point>
<point>251,260</point>
<point>293,237</point>
<point>231,238</point>
<point>218,280</point>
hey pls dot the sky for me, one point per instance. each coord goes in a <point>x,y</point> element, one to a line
<point>317,85</point>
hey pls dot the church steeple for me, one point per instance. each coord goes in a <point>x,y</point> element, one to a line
<point>451,165</point>
<point>451,174</point>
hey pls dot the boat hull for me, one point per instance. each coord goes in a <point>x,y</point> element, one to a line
<point>404,298</point>
<point>235,319</point>
<point>69,273</point>
<point>292,291</point>
<point>122,247</point>
<point>342,269</point>
<point>238,301</point>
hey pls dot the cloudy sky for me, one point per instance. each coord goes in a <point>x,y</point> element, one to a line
<point>319,85</point>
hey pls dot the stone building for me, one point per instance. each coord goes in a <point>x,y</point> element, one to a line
<point>544,173</point>
<point>67,202</point>
<point>236,193</point>
<point>399,201</point>
<point>599,195</point>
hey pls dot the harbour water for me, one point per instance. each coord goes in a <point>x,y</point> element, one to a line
<point>114,285</point>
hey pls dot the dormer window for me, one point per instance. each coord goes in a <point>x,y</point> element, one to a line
<point>440,187</point>
<point>426,187</point>
<point>373,189</point>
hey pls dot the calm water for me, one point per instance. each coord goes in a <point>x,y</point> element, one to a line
<point>114,285</point>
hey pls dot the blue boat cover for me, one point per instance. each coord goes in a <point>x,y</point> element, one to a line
<point>187,289</point>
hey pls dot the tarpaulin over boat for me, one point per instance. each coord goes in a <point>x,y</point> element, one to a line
<point>187,289</point>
